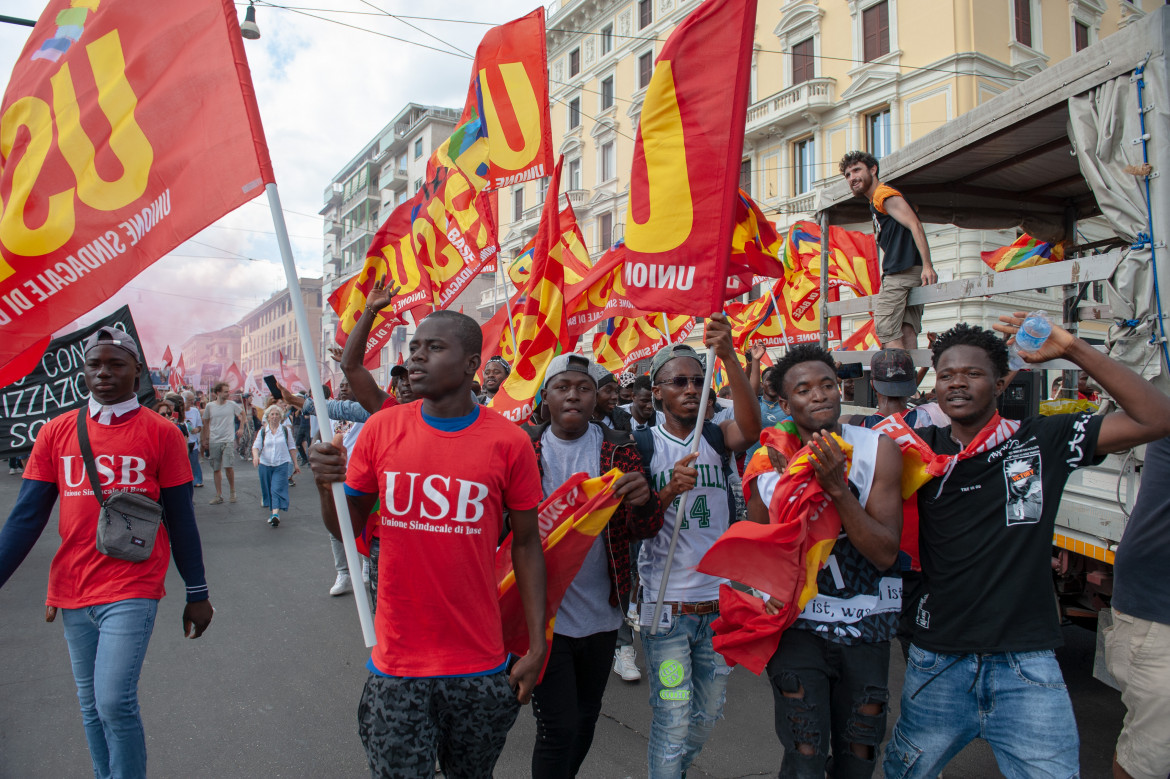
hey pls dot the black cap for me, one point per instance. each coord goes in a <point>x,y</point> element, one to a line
<point>892,373</point>
<point>398,370</point>
<point>112,336</point>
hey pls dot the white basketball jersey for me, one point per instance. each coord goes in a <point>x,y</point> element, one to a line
<point>705,520</point>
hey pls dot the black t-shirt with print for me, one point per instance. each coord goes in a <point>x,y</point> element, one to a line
<point>986,538</point>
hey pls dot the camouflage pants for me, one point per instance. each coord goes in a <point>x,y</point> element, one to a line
<point>406,723</point>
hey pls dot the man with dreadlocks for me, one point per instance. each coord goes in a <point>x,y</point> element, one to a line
<point>982,662</point>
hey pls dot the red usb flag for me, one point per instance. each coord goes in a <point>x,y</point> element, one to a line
<point>601,295</point>
<point>435,243</point>
<point>633,339</point>
<point>853,264</point>
<point>541,330</point>
<point>570,520</point>
<point>685,174</point>
<point>128,127</point>
<point>759,321</point>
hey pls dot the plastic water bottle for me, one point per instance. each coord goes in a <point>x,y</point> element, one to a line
<point>1031,336</point>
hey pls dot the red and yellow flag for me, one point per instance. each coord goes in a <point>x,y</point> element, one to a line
<point>436,242</point>
<point>497,334</point>
<point>570,520</point>
<point>755,243</point>
<point>864,338</point>
<point>575,255</point>
<point>759,321</point>
<point>629,339</point>
<point>602,295</point>
<point>106,158</point>
<point>541,330</point>
<point>853,264</point>
<point>684,179</point>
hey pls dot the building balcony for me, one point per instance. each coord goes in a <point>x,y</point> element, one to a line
<point>576,197</point>
<point>332,227</point>
<point>814,96</point>
<point>332,197</point>
<point>356,234</point>
<point>804,203</point>
<point>392,177</point>
<point>370,192</point>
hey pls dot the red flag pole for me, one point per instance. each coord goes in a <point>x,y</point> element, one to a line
<point>309,347</point>
<point>696,436</point>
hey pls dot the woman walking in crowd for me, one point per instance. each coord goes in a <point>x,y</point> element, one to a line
<point>273,453</point>
<point>194,416</point>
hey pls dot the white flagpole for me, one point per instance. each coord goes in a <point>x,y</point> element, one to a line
<point>666,328</point>
<point>308,346</point>
<point>697,436</point>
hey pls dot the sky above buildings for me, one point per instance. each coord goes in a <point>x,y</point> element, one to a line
<point>325,89</point>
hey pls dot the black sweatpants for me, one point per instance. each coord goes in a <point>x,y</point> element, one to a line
<point>567,702</point>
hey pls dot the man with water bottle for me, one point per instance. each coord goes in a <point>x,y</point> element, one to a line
<point>982,662</point>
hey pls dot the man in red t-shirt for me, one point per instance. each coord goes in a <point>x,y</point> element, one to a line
<point>109,604</point>
<point>444,470</point>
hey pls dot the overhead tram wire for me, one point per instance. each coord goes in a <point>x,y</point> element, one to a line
<point>416,27</point>
<point>401,17</point>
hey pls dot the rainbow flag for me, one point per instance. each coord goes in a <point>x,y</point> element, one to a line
<point>1025,252</point>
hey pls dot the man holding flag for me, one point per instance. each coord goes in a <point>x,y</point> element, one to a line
<point>444,686</point>
<point>688,678</point>
<point>567,702</point>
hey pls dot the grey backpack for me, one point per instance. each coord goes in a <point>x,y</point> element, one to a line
<point>128,522</point>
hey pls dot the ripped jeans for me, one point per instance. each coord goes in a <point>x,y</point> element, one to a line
<point>688,684</point>
<point>831,703</point>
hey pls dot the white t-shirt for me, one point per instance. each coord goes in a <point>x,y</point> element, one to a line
<point>706,519</point>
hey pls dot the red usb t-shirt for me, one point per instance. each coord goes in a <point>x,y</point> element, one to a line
<point>142,454</point>
<point>442,500</point>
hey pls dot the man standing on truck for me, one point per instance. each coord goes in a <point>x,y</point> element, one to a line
<point>982,662</point>
<point>1137,645</point>
<point>905,253</point>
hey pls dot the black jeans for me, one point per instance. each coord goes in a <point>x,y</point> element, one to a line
<point>819,688</point>
<point>567,702</point>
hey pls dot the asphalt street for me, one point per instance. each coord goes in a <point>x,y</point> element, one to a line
<point>271,690</point>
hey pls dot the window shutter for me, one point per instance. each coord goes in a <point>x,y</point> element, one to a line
<point>1024,21</point>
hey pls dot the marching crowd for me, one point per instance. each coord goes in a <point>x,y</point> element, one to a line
<point>435,481</point>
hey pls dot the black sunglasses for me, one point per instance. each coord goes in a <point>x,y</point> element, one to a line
<point>682,381</point>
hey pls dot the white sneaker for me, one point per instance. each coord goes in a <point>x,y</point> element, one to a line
<point>624,665</point>
<point>342,585</point>
<point>366,570</point>
<point>11,471</point>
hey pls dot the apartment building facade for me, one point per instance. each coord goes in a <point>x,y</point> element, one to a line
<point>385,173</point>
<point>207,355</point>
<point>828,76</point>
<point>270,329</point>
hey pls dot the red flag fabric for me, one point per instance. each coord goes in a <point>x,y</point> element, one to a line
<point>685,174</point>
<point>167,357</point>
<point>541,330</point>
<point>182,368</point>
<point>175,380</point>
<point>758,321</point>
<point>853,264</point>
<point>634,339</point>
<point>346,304</point>
<point>436,242</point>
<point>234,377</point>
<point>864,338</point>
<point>570,520</point>
<point>497,334</point>
<point>106,158</point>
<point>601,294</point>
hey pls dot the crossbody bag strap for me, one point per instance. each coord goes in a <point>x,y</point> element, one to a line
<point>87,455</point>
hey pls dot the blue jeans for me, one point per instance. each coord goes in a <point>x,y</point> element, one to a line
<point>107,645</point>
<point>274,486</point>
<point>1016,701</point>
<point>196,468</point>
<point>688,684</point>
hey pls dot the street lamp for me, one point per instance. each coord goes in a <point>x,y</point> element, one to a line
<point>248,27</point>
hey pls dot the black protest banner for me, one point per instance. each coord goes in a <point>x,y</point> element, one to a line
<point>55,386</point>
